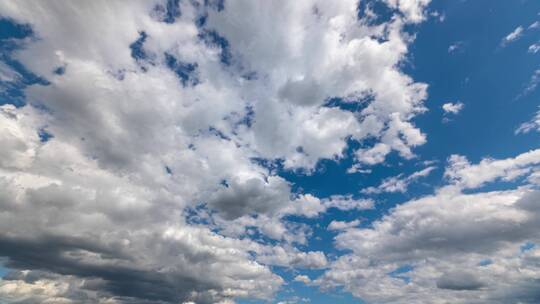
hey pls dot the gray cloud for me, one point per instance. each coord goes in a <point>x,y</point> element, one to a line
<point>459,281</point>
<point>97,213</point>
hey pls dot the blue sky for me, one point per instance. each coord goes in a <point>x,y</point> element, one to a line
<point>484,76</point>
<point>250,152</point>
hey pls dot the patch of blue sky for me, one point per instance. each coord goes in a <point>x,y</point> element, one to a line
<point>44,135</point>
<point>527,246</point>
<point>186,72</point>
<point>169,12</point>
<point>213,38</point>
<point>485,262</point>
<point>137,47</point>
<point>374,11</point>
<point>14,77</point>
<point>401,273</point>
<point>483,76</point>
<point>3,269</point>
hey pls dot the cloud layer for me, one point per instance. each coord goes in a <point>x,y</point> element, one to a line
<point>140,167</point>
<point>453,246</point>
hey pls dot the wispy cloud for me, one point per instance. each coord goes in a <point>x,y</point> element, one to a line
<point>531,125</point>
<point>398,183</point>
<point>531,85</point>
<point>513,36</point>
<point>455,47</point>
<point>339,225</point>
<point>534,48</point>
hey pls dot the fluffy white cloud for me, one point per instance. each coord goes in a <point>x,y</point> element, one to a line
<point>18,137</point>
<point>164,120</point>
<point>412,9</point>
<point>302,278</point>
<point>452,108</point>
<point>466,175</point>
<point>450,246</point>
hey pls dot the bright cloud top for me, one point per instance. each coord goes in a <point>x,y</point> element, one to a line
<point>162,152</point>
<point>146,151</point>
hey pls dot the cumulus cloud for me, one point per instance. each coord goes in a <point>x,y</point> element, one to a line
<point>464,248</point>
<point>465,175</point>
<point>302,278</point>
<point>455,47</point>
<point>145,158</point>
<point>452,107</point>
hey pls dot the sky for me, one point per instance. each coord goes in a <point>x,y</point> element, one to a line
<point>286,152</point>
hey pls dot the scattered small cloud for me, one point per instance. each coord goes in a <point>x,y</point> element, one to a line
<point>534,48</point>
<point>455,47</point>
<point>358,168</point>
<point>398,183</point>
<point>513,36</point>
<point>302,278</point>
<point>452,107</point>
<point>339,225</point>
<point>438,16</point>
<point>529,126</point>
<point>531,85</point>
<point>8,74</point>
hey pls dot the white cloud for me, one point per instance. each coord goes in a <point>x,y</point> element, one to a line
<point>531,85</point>
<point>155,178</point>
<point>513,36</point>
<point>19,137</point>
<point>412,9</point>
<point>455,47</point>
<point>532,125</point>
<point>534,48</point>
<point>346,203</point>
<point>398,183</point>
<point>302,278</point>
<point>8,74</point>
<point>339,225</point>
<point>466,175</point>
<point>452,107</point>
<point>449,245</point>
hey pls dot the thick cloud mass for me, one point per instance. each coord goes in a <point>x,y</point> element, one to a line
<point>148,161</point>
<point>140,167</point>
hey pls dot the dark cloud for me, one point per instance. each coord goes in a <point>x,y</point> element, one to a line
<point>116,274</point>
<point>459,281</point>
